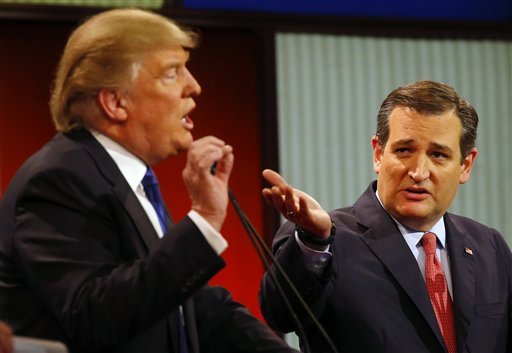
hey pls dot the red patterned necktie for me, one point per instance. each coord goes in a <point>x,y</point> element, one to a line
<point>438,291</point>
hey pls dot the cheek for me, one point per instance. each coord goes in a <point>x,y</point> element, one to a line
<point>391,169</point>
<point>446,184</point>
<point>454,182</point>
<point>445,197</point>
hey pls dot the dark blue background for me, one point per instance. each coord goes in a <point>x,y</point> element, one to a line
<point>487,10</point>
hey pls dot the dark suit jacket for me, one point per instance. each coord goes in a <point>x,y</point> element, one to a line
<point>373,298</point>
<point>80,262</point>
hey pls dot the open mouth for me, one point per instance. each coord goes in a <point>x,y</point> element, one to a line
<point>187,122</point>
<point>416,193</point>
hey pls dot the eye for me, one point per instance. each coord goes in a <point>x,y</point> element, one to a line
<point>402,150</point>
<point>170,74</point>
<point>439,155</point>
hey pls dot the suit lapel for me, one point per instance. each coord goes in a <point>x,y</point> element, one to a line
<point>120,187</point>
<point>460,251</point>
<point>133,207</point>
<point>387,243</point>
<point>168,218</point>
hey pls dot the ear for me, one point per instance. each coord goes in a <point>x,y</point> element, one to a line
<point>377,154</point>
<point>113,105</point>
<point>467,165</point>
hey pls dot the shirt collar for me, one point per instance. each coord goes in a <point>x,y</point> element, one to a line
<point>132,167</point>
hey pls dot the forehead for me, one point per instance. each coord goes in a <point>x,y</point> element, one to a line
<point>164,58</point>
<point>407,123</point>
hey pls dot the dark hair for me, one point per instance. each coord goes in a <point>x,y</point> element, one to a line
<point>429,97</point>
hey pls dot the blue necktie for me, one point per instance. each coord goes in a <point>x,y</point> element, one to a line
<point>150,183</point>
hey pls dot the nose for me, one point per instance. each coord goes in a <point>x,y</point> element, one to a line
<point>192,87</point>
<point>419,169</point>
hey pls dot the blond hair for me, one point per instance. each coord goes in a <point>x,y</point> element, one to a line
<point>104,52</point>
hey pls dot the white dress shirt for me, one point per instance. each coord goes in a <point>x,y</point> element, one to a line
<point>133,170</point>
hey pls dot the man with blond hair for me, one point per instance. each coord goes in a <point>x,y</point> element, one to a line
<point>88,253</point>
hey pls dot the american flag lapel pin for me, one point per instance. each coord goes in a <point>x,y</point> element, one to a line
<point>468,251</point>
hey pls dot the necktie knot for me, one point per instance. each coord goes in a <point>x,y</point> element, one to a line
<point>149,180</point>
<point>429,242</point>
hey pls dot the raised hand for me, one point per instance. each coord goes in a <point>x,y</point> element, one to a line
<point>209,192</point>
<point>295,205</point>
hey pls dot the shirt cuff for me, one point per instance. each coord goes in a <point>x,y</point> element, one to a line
<point>316,260</point>
<point>214,238</point>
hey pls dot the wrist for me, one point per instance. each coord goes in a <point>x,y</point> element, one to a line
<point>215,219</point>
<point>308,237</point>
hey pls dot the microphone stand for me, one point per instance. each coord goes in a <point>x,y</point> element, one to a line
<point>260,246</point>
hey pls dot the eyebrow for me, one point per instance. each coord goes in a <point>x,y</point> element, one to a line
<point>170,65</point>
<point>408,142</point>
<point>441,147</point>
<point>403,142</point>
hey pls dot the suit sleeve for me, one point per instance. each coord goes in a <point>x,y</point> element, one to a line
<point>75,245</point>
<point>310,286</point>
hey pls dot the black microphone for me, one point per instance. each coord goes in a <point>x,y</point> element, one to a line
<point>213,169</point>
<point>262,250</point>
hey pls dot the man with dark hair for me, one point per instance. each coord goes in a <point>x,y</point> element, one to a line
<point>396,272</point>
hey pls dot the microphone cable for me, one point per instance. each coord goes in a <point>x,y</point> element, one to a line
<point>259,244</point>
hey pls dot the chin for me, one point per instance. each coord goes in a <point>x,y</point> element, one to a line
<point>183,144</point>
<point>187,141</point>
<point>411,222</point>
<point>413,213</point>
